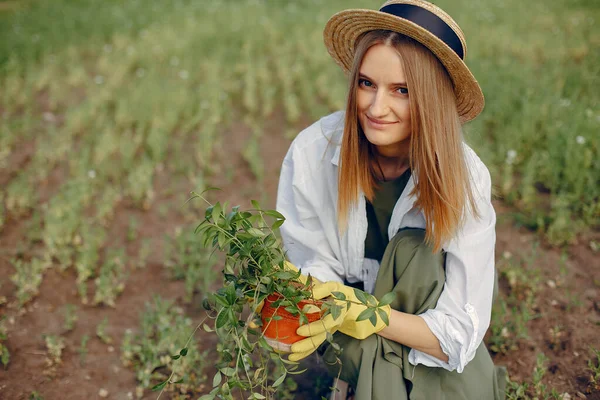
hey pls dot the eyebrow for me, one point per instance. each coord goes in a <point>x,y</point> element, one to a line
<point>361,75</point>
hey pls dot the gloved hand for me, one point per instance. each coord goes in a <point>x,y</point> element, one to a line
<point>344,320</point>
<point>288,266</point>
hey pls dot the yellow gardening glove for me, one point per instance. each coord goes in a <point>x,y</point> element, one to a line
<point>316,332</point>
<point>346,322</point>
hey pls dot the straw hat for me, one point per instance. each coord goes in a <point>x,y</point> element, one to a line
<point>422,21</point>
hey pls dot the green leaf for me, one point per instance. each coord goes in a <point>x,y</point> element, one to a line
<point>303,319</point>
<point>201,227</point>
<point>255,204</point>
<point>277,224</point>
<point>256,232</point>
<point>216,213</point>
<point>383,315</point>
<point>254,331</point>
<point>285,274</point>
<point>292,310</point>
<point>228,371</point>
<point>297,372</point>
<point>361,296</point>
<point>371,300</point>
<point>159,386</point>
<point>207,328</point>
<point>266,280</point>
<point>217,379</point>
<point>184,352</point>
<point>274,214</point>
<point>339,295</point>
<point>366,314</point>
<point>258,396</point>
<point>246,345</point>
<point>207,397</point>
<point>387,299</point>
<point>175,357</point>
<point>179,381</point>
<point>221,240</point>
<point>221,300</point>
<point>208,212</point>
<point>336,311</point>
<point>279,380</point>
<point>222,318</point>
<point>285,360</point>
<point>373,319</point>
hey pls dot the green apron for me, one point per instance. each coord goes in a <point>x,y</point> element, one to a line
<point>378,368</point>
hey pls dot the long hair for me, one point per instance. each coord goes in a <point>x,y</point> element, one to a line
<point>442,182</point>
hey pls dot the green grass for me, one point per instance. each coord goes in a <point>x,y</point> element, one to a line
<point>159,74</point>
<point>513,311</point>
<point>164,331</point>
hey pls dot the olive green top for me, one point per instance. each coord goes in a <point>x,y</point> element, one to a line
<point>379,214</point>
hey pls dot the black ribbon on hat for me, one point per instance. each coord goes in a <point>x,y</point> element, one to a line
<point>429,21</point>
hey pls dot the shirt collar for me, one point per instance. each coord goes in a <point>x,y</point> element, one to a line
<point>335,160</point>
<point>332,127</point>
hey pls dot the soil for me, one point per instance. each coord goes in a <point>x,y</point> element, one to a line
<point>568,296</point>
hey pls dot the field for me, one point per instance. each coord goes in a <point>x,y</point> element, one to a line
<point>112,112</point>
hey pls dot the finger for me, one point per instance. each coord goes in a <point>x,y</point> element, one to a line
<point>299,356</point>
<point>259,307</point>
<point>322,290</point>
<point>317,327</point>
<point>309,344</point>
<point>253,325</point>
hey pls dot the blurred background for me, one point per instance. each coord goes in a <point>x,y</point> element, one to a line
<point>112,111</point>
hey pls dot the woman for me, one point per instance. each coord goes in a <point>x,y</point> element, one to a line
<point>387,197</point>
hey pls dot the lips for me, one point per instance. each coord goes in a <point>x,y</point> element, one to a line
<point>379,124</point>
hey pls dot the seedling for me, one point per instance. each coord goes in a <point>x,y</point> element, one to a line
<point>101,331</point>
<point>594,367</point>
<point>28,278</point>
<point>4,353</point>
<point>70,314</point>
<point>54,347</point>
<point>82,350</point>
<point>164,351</point>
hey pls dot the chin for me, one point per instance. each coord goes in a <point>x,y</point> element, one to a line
<point>379,138</point>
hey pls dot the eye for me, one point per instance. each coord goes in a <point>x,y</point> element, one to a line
<point>402,90</point>
<point>365,83</point>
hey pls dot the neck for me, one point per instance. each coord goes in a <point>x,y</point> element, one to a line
<point>390,165</point>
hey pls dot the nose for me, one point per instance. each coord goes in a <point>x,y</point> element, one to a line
<point>379,104</point>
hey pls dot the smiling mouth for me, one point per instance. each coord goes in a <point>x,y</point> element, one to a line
<point>380,122</point>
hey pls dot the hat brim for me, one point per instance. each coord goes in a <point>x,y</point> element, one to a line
<point>343,28</point>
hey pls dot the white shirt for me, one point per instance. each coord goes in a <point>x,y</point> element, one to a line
<point>307,197</point>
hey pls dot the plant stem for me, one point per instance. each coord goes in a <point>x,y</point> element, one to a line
<point>185,347</point>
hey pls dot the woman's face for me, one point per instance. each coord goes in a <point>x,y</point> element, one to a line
<point>382,100</point>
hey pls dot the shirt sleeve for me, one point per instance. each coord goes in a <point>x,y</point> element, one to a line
<point>304,239</point>
<point>463,312</point>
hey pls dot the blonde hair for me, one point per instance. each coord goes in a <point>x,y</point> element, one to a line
<point>436,157</point>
